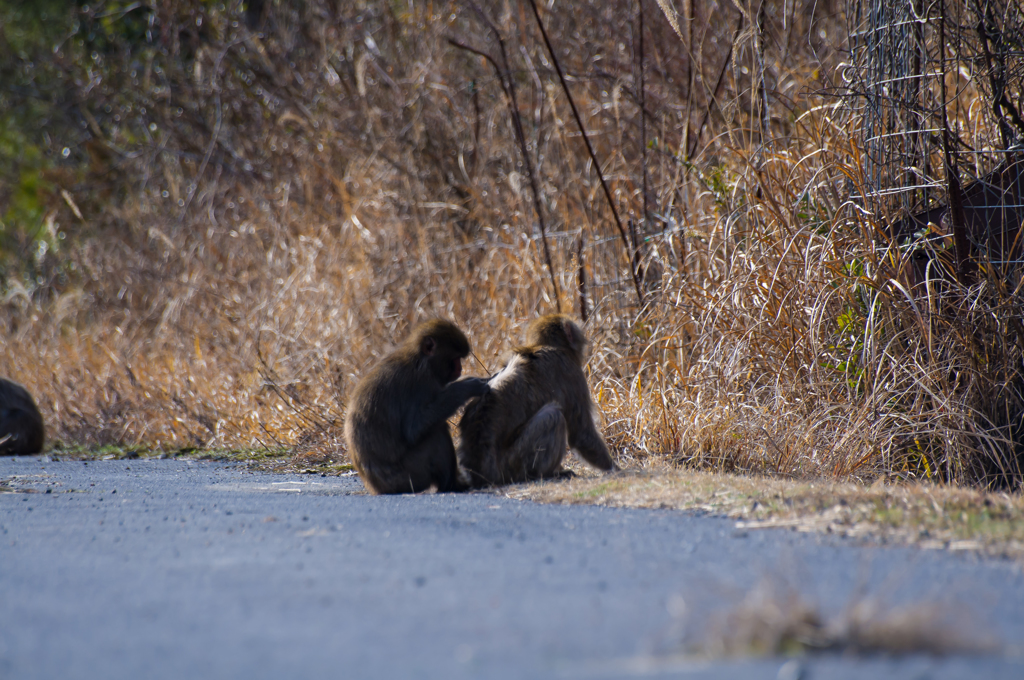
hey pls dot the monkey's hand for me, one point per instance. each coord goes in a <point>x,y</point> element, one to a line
<point>441,409</point>
<point>474,387</point>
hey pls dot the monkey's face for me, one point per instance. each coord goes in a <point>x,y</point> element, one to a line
<point>456,369</point>
<point>446,367</point>
<point>443,358</point>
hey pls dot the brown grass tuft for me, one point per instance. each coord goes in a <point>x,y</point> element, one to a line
<point>774,619</point>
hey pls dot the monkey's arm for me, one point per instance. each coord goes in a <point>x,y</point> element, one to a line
<point>588,442</point>
<point>417,425</point>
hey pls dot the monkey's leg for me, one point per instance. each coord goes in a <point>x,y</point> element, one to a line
<point>401,479</point>
<point>540,447</point>
<point>21,432</point>
<point>444,466</point>
<point>411,472</point>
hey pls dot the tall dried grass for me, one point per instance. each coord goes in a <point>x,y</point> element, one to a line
<point>313,190</point>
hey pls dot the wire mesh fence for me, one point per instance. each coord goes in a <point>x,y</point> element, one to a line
<point>936,88</point>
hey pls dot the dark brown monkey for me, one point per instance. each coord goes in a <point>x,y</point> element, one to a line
<point>397,422</point>
<point>21,425</point>
<point>538,404</point>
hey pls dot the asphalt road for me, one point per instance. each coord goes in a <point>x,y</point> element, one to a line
<point>177,569</point>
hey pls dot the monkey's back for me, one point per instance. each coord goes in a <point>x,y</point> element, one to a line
<point>372,423</point>
<point>532,378</point>
<point>20,421</point>
<point>374,419</point>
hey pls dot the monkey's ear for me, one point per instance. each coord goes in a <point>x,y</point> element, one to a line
<point>570,334</point>
<point>427,346</point>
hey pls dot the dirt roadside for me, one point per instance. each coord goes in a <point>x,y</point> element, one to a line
<point>926,515</point>
<point>929,516</point>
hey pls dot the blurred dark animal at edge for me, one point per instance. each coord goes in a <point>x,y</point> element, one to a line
<point>21,424</point>
<point>993,208</point>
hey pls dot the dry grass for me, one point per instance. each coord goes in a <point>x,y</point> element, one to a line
<point>773,618</point>
<point>921,514</point>
<point>262,248</point>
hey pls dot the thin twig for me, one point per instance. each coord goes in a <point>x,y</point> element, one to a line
<point>961,247</point>
<point>590,150</point>
<point>639,78</point>
<point>643,107</point>
<point>989,31</point>
<point>509,87</point>
<point>712,100</point>
<point>581,278</point>
<point>482,364</point>
<point>206,159</point>
<point>303,411</point>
